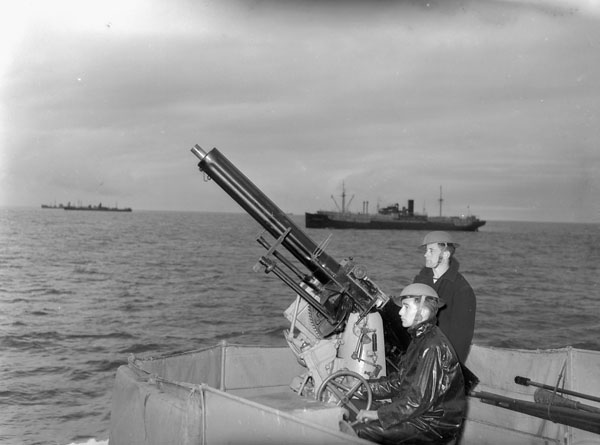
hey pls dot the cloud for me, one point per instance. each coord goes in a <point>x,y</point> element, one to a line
<point>492,100</point>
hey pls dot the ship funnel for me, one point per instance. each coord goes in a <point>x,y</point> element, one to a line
<point>411,207</point>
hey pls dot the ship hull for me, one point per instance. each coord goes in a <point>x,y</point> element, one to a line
<point>99,209</point>
<point>365,222</point>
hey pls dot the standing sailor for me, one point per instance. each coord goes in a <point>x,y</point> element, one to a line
<point>441,272</point>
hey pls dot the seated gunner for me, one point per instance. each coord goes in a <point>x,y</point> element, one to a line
<point>428,391</point>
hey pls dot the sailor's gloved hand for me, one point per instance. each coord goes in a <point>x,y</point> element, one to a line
<point>366,415</point>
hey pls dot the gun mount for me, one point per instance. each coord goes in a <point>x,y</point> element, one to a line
<point>335,308</point>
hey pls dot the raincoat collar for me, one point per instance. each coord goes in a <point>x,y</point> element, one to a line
<point>422,328</point>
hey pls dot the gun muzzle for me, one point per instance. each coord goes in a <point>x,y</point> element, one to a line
<point>199,152</point>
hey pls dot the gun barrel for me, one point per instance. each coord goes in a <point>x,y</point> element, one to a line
<point>588,421</point>
<point>265,212</point>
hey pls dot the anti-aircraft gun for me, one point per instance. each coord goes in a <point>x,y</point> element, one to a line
<point>336,330</point>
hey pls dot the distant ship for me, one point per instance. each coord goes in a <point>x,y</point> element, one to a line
<point>390,218</point>
<point>98,208</point>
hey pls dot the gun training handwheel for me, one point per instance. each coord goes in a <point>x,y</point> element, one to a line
<point>341,386</point>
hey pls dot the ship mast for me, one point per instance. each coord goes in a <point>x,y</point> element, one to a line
<point>343,209</point>
<point>441,200</point>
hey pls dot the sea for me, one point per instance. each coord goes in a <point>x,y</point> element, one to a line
<point>80,292</point>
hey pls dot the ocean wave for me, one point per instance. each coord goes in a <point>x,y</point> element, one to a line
<point>17,300</point>
<point>44,371</point>
<point>33,396</point>
<point>34,291</point>
<point>90,442</point>
<point>85,269</point>
<point>138,348</point>
<point>38,313</point>
<point>117,335</point>
<point>79,374</point>
<point>207,304</point>
<point>103,365</point>
<point>53,291</point>
<point>34,340</point>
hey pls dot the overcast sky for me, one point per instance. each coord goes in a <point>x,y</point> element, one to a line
<point>497,102</point>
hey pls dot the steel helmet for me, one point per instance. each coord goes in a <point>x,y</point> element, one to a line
<point>417,290</point>
<point>438,236</point>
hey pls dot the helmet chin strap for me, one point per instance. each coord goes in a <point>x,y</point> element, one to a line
<point>440,258</point>
<point>419,313</point>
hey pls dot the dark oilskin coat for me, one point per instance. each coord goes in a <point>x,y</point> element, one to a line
<point>457,318</point>
<point>427,393</point>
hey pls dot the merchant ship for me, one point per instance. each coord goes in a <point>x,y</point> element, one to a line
<point>98,208</point>
<point>392,217</point>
